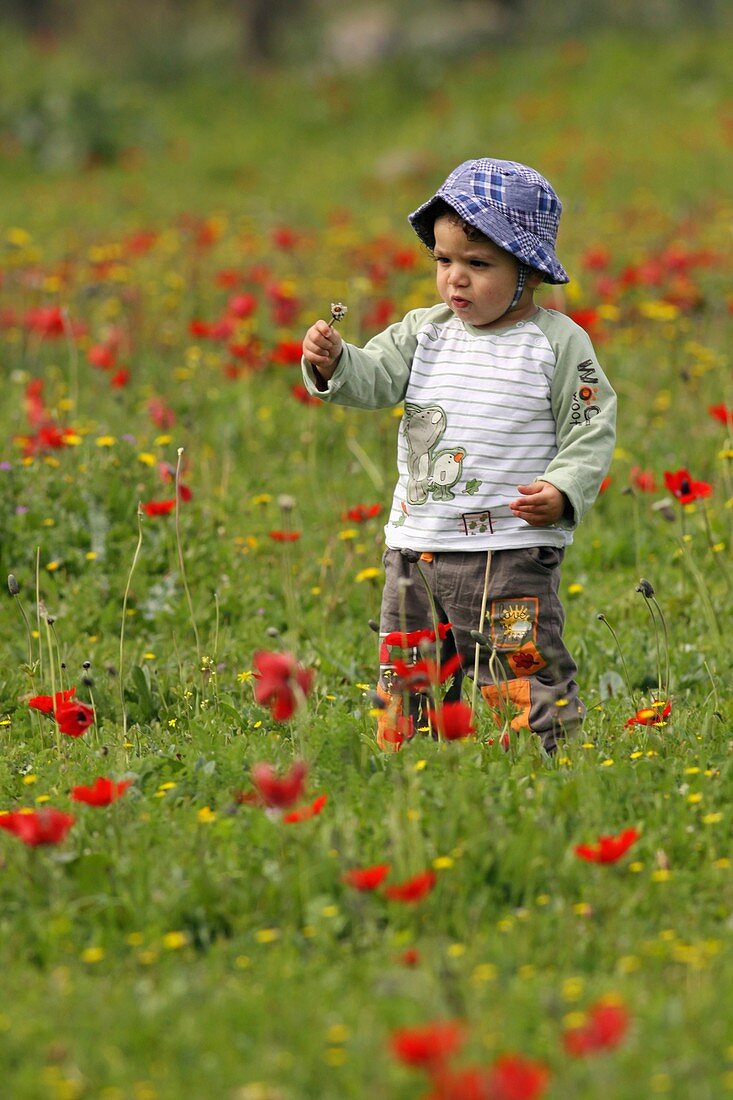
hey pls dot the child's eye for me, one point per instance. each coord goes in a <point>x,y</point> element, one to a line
<point>441,260</point>
<point>479,263</point>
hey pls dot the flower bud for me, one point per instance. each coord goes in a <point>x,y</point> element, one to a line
<point>646,588</point>
<point>13,586</point>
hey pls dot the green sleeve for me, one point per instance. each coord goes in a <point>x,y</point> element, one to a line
<point>375,376</point>
<point>584,406</point>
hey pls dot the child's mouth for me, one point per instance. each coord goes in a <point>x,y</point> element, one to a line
<point>459,303</point>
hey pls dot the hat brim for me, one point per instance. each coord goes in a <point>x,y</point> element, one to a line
<point>524,246</point>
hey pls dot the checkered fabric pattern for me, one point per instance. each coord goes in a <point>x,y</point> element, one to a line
<point>511,204</point>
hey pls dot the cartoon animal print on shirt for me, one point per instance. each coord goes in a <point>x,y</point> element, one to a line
<point>428,470</point>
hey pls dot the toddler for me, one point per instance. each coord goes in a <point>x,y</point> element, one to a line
<point>507,432</point>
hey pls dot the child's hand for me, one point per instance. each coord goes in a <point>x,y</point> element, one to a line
<point>322,347</point>
<point>540,505</point>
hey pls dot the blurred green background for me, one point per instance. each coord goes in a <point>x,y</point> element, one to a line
<point>301,106</point>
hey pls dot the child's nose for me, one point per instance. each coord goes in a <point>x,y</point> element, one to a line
<point>458,275</point>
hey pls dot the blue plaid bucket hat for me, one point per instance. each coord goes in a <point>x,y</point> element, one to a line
<point>511,204</point>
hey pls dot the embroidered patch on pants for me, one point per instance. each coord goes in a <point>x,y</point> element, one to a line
<point>512,701</point>
<point>526,661</point>
<point>514,622</point>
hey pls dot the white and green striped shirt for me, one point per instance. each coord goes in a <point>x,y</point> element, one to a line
<point>485,411</point>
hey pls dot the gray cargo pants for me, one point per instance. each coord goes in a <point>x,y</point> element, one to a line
<point>529,684</point>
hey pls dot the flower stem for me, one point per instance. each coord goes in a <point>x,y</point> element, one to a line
<point>482,618</point>
<point>629,688</point>
<point>181,565</point>
<point>124,616</point>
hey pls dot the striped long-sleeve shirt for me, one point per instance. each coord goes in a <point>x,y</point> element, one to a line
<point>484,412</point>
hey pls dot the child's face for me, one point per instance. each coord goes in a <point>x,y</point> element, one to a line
<point>477,279</point>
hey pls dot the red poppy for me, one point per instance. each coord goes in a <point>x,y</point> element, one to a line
<point>287,353</point>
<point>199,328</point>
<point>415,637</point>
<point>159,507</point>
<point>722,413</point>
<point>596,258</point>
<point>35,410</point>
<point>162,416</point>
<point>283,307</point>
<point>280,791</point>
<point>45,321</point>
<point>305,813</point>
<point>512,1077</point>
<point>379,314</point>
<point>453,721</point>
<point>412,889</point>
<point>102,356</point>
<point>102,792</point>
<point>650,716</point>
<point>284,237</point>
<point>367,878</point>
<point>36,827</point>
<point>45,703</point>
<point>604,484</point>
<point>281,683</point>
<point>428,1046</point>
<point>241,305</point>
<point>684,488</point>
<point>609,848</point>
<point>643,480</point>
<point>120,379</point>
<point>423,674</point>
<point>227,278</point>
<point>361,512</point>
<point>284,536</point>
<point>74,718</point>
<point>410,957</point>
<point>605,1026</point>
<point>300,393</point>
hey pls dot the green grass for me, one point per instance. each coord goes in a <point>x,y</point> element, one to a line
<point>180,943</point>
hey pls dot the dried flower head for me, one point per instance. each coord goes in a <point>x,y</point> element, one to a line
<point>338,312</point>
<point>13,586</point>
<point>645,587</point>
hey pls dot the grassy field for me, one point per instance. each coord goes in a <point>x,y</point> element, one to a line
<point>186,941</point>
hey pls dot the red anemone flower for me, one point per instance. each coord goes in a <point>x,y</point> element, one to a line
<point>74,718</point>
<point>367,878</point>
<point>305,813</point>
<point>609,848</point>
<point>643,480</point>
<point>36,827</point>
<point>284,536</point>
<point>45,703</point>
<point>415,637</point>
<point>300,393</point>
<point>360,513</point>
<point>159,507</point>
<point>512,1077</point>
<point>722,413</point>
<point>605,1026</point>
<point>102,792</point>
<point>684,488</point>
<point>428,1046</point>
<point>281,683</point>
<point>423,674</point>
<point>280,791</point>
<point>412,889</point>
<point>453,720</point>
<point>655,715</point>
